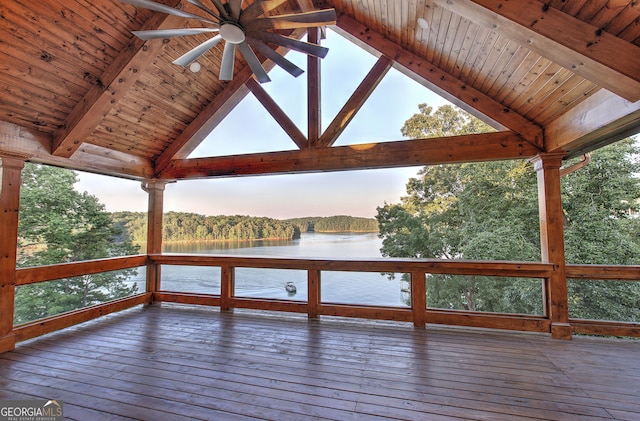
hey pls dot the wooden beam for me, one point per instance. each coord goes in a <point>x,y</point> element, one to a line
<point>598,56</point>
<point>10,180</point>
<point>18,140</point>
<point>441,82</point>
<point>455,149</point>
<point>598,120</point>
<point>277,113</point>
<point>356,101</point>
<point>113,84</point>
<point>314,97</point>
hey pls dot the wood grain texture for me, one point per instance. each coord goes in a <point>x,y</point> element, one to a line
<point>186,363</point>
<point>465,148</point>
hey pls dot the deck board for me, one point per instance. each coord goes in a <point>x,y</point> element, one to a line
<point>178,362</point>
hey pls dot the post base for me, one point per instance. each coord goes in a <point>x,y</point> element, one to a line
<point>561,331</point>
<point>7,342</point>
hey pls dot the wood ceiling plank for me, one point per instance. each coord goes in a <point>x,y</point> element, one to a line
<point>277,113</point>
<point>356,101</point>
<point>596,121</point>
<point>580,47</point>
<point>440,82</point>
<point>509,71</point>
<point>454,149</point>
<point>459,48</point>
<point>120,76</point>
<point>571,98</point>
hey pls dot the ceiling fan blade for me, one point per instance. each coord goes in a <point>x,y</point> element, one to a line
<point>274,56</point>
<point>228,59</point>
<point>204,8</point>
<point>310,19</point>
<point>235,7</point>
<point>151,5</point>
<point>291,43</point>
<point>223,12</point>
<point>168,33</point>
<point>193,55</point>
<point>257,9</point>
<point>253,62</point>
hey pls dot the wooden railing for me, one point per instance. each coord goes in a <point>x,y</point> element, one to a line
<point>417,313</point>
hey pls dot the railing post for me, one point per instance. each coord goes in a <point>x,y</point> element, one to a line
<point>227,286</point>
<point>547,167</point>
<point>10,179</point>
<point>313,293</point>
<point>155,189</point>
<point>419,298</point>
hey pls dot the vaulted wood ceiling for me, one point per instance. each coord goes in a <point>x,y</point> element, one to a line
<point>79,90</point>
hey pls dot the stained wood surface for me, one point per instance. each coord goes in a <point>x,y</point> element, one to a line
<point>185,363</point>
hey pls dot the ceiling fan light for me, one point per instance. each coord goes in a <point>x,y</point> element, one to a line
<point>232,33</point>
<point>194,67</point>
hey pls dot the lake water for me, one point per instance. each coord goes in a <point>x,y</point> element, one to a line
<point>336,287</point>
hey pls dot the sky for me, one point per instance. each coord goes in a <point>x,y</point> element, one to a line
<point>249,128</point>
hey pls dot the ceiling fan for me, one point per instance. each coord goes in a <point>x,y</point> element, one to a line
<point>245,29</point>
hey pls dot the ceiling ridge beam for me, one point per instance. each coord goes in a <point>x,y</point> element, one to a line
<point>109,88</point>
<point>355,102</point>
<point>441,82</point>
<point>432,151</point>
<point>578,46</point>
<point>277,113</point>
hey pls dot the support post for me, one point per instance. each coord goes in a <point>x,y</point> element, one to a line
<point>313,293</point>
<point>155,189</point>
<point>10,179</point>
<point>547,167</point>
<point>419,298</point>
<point>227,286</point>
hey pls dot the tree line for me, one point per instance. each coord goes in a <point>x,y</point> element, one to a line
<point>185,226</point>
<point>338,223</point>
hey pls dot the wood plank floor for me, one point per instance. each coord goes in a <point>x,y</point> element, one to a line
<point>173,362</point>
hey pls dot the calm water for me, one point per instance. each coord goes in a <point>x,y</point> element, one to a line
<point>337,287</point>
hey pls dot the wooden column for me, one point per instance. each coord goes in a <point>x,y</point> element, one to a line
<point>10,179</point>
<point>314,116</point>
<point>419,298</point>
<point>227,286</point>
<point>552,242</point>
<point>155,189</point>
<point>313,293</point>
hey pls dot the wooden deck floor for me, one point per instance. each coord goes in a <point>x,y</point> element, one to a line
<point>182,363</point>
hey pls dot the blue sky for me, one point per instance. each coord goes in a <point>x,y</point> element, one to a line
<point>249,128</point>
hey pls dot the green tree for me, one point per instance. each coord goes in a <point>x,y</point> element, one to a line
<point>57,224</point>
<point>488,211</point>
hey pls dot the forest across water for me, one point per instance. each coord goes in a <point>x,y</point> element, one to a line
<point>184,226</point>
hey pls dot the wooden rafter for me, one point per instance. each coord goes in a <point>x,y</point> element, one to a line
<point>440,81</point>
<point>454,149</point>
<point>277,113</point>
<point>355,102</point>
<point>114,83</point>
<point>599,120</point>
<point>576,45</point>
